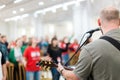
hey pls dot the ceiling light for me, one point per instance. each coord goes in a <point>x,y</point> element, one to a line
<point>1,7</point>
<point>41,3</point>
<point>55,7</point>
<point>25,15</point>
<point>14,12</point>
<point>21,9</point>
<point>17,1</point>
<point>16,18</point>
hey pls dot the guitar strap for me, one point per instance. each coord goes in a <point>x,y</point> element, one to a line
<point>114,42</point>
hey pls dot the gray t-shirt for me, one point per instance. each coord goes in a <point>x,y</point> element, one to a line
<point>100,60</point>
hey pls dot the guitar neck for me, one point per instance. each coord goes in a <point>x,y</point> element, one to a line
<point>50,64</point>
<point>67,68</point>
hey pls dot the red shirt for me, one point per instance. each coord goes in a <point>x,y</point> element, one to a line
<point>62,45</point>
<point>33,56</point>
<point>73,46</point>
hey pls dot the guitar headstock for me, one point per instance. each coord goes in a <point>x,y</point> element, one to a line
<point>46,65</point>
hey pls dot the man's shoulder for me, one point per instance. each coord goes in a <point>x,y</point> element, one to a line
<point>96,43</point>
<point>96,46</point>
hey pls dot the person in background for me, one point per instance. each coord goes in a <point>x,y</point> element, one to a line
<point>55,53</point>
<point>45,44</point>
<point>40,43</point>
<point>32,56</point>
<point>4,40</point>
<point>99,60</point>
<point>73,46</point>
<point>16,58</point>
<point>12,44</point>
<point>4,48</point>
<point>62,45</point>
<point>3,69</point>
<point>24,39</point>
<point>72,49</point>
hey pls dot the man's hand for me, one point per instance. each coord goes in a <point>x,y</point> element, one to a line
<point>67,74</point>
<point>60,68</point>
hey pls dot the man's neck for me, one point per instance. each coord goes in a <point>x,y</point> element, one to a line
<point>109,28</point>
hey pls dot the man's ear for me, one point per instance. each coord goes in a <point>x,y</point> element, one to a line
<point>99,22</point>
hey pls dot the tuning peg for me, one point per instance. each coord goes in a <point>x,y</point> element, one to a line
<point>45,62</point>
<point>48,69</point>
<point>44,67</point>
<point>49,62</point>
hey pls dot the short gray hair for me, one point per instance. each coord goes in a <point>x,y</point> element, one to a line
<point>109,14</point>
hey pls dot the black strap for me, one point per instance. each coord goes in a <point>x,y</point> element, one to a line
<point>114,42</point>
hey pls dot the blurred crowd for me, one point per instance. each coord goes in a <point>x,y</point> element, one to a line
<point>28,51</point>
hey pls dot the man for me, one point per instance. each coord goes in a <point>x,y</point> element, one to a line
<point>99,60</point>
<point>3,70</point>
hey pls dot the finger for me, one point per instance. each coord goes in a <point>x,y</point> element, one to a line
<point>59,64</point>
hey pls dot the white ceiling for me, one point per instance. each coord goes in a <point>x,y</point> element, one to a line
<point>30,6</point>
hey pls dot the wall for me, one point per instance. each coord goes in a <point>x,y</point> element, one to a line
<point>61,29</point>
<point>4,28</point>
<point>14,29</point>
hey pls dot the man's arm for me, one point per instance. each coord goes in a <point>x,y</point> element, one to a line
<point>67,74</point>
<point>4,70</point>
<point>82,68</point>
